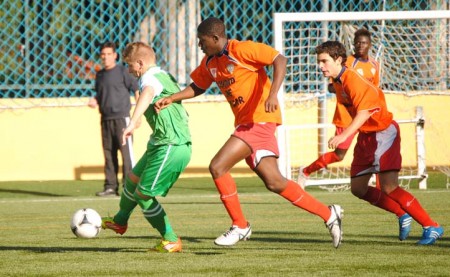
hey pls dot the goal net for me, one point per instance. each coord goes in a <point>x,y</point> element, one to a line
<point>413,50</point>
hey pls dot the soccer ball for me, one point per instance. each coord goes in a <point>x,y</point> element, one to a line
<point>86,223</point>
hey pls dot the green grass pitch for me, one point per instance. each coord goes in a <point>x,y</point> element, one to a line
<point>36,240</point>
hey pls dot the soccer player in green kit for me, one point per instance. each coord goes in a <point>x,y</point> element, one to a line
<point>168,150</point>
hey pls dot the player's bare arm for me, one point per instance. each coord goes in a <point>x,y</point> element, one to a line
<point>136,98</point>
<point>357,122</point>
<point>189,92</point>
<point>279,72</point>
<point>144,101</point>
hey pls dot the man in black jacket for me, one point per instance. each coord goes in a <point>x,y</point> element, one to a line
<point>113,86</point>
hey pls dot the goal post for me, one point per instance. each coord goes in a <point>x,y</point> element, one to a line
<point>413,50</point>
<point>338,175</point>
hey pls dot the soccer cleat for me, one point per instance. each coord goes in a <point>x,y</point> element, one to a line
<point>302,177</point>
<point>334,224</point>
<point>404,224</point>
<point>234,235</point>
<point>166,246</point>
<point>108,223</point>
<point>430,235</point>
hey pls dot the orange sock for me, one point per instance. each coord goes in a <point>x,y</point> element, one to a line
<point>321,162</point>
<point>412,206</point>
<point>377,198</point>
<point>300,198</point>
<point>228,194</point>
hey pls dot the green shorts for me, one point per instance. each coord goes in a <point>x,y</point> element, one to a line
<point>160,167</point>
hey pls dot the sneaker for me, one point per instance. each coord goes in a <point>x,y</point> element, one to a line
<point>107,192</point>
<point>334,224</point>
<point>302,177</point>
<point>430,235</point>
<point>108,223</point>
<point>232,236</point>
<point>166,246</point>
<point>404,224</point>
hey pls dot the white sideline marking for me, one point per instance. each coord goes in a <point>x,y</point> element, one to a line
<point>77,199</point>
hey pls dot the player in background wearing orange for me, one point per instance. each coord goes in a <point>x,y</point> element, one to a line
<point>238,69</point>
<point>377,149</point>
<point>369,68</point>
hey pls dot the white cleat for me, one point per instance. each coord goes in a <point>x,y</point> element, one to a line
<point>234,235</point>
<point>302,177</point>
<point>334,224</point>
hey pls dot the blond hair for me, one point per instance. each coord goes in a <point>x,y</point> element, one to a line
<point>138,51</point>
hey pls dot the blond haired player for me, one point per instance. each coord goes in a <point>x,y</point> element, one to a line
<point>168,149</point>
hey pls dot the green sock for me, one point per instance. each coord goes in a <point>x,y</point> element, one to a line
<point>127,203</point>
<point>156,216</point>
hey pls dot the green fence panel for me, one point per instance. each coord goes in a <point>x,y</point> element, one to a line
<point>51,48</point>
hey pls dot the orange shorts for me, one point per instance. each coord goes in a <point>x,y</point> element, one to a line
<point>346,144</point>
<point>260,137</point>
<point>377,152</point>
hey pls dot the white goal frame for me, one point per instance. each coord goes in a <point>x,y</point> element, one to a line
<point>283,131</point>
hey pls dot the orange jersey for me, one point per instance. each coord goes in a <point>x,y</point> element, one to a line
<point>241,77</point>
<point>355,93</point>
<point>369,69</point>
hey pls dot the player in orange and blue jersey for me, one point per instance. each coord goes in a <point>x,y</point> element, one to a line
<point>377,149</point>
<point>238,69</point>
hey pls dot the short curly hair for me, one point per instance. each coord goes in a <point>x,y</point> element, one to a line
<point>333,48</point>
<point>363,33</point>
<point>212,26</point>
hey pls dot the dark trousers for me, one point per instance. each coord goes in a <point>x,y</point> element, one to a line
<point>112,144</point>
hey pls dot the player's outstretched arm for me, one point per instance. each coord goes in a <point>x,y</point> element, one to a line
<point>189,92</point>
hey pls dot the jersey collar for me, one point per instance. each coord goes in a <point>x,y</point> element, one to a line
<point>338,78</point>
<point>224,50</point>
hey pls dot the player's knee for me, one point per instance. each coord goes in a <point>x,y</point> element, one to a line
<point>216,170</point>
<point>141,199</point>
<point>358,191</point>
<point>340,157</point>
<point>340,154</point>
<point>387,188</point>
<point>276,186</point>
<point>133,178</point>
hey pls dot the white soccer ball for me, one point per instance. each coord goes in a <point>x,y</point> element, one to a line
<point>86,223</point>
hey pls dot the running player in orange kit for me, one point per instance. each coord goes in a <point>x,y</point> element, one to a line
<point>238,69</point>
<point>377,149</point>
<point>368,68</point>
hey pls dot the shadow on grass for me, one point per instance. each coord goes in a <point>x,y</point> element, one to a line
<point>58,249</point>
<point>37,193</point>
<point>359,239</point>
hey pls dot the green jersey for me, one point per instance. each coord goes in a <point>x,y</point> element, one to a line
<point>170,126</point>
